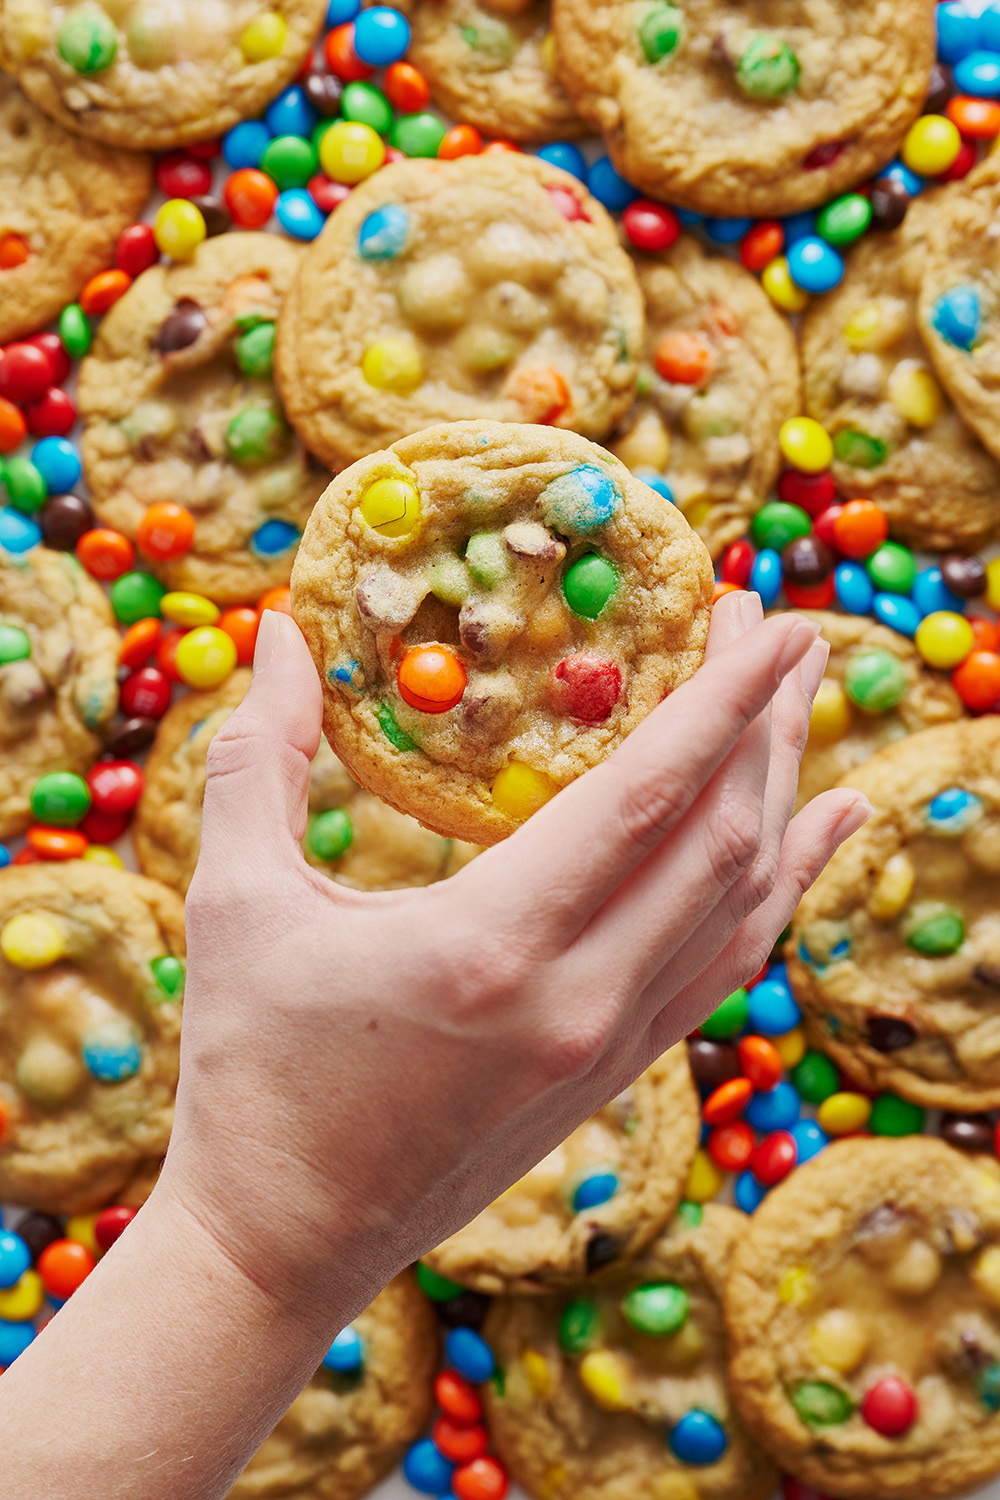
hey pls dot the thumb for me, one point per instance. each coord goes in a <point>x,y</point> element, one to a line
<point>256,794</point>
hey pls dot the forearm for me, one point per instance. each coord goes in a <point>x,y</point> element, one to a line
<point>161,1376</point>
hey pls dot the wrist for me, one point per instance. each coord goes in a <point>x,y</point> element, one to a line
<point>303,1271</point>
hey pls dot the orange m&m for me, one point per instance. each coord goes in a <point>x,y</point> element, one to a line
<point>165,531</point>
<point>431,678</point>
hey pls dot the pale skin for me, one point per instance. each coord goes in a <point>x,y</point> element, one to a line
<point>360,1074</point>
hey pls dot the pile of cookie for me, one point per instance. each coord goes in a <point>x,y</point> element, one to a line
<point>399,394</point>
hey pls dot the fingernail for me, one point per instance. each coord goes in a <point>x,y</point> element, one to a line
<point>854,818</point>
<point>797,643</point>
<point>812,667</point>
<point>751,612</point>
<point>267,640</point>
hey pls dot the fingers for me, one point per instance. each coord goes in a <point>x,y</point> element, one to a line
<point>256,794</point>
<point>708,976</point>
<point>557,870</point>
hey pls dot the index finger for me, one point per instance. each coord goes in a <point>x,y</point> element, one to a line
<point>557,870</point>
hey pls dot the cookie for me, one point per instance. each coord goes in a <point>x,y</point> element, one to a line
<point>489,287</point>
<point>63,204</point>
<point>742,107</point>
<point>897,438</point>
<point>595,1201</point>
<point>876,689</point>
<point>351,836</point>
<point>58,674</point>
<point>360,1411</point>
<point>142,74</point>
<point>894,953</point>
<point>863,1308</point>
<point>491,63</point>
<point>491,609</point>
<point>959,304</point>
<point>179,406</point>
<point>720,376</point>
<point>620,1391</point>
<point>91,979</point>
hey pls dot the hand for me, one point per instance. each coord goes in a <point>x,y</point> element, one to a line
<point>388,1063</point>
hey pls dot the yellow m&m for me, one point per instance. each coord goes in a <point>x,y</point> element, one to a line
<point>205,657</point>
<point>931,145</point>
<point>843,1113</point>
<point>839,1339</point>
<point>520,790</point>
<point>391,507</point>
<point>351,151</point>
<point>393,364</point>
<point>264,38</point>
<point>944,638</point>
<point>22,1301</point>
<point>831,713</point>
<point>805,444</point>
<point>32,940</point>
<point>704,1180</point>
<point>605,1377</point>
<point>776,279</point>
<point>188,609</point>
<point>179,228</point>
<point>915,394</point>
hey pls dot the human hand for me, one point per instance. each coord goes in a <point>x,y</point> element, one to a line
<point>362,1073</point>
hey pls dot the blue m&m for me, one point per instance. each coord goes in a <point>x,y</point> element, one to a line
<point>111,1052</point>
<point>579,501</point>
<point>346,1355</point>
<point>957,316</point>
<point>383,233</point>
<point>698,1438</point>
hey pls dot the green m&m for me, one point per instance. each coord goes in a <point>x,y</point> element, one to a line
<point>588,584</point>
<point>729,1018</point>
<point>875,680</point>
<point>88,41</point>
<point>579,1325</point>
<point>14,644</point>
<point>255,351</point>
<point>330,834</point>
<point>894,1116</point>
<point>60,798</point>
<point>255,436</point>
<point>768,68</point>
<point>935,929</point>
<point>821,1404</point>
<point>660,32</point>
<point>659,1309</point>
<point>892,567</point>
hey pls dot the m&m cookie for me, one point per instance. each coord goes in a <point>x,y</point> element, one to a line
<point>490,287</point>
<point>593,1202</point>
<point>186,447</point>
<point>91,983</point>
<point>894,953</point>
<point>491,608</point>
<point>350,835</point>
<point>621,1389</point>
<point>141,74</point>
<point>58,681</point>
<point>863,1310</point>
